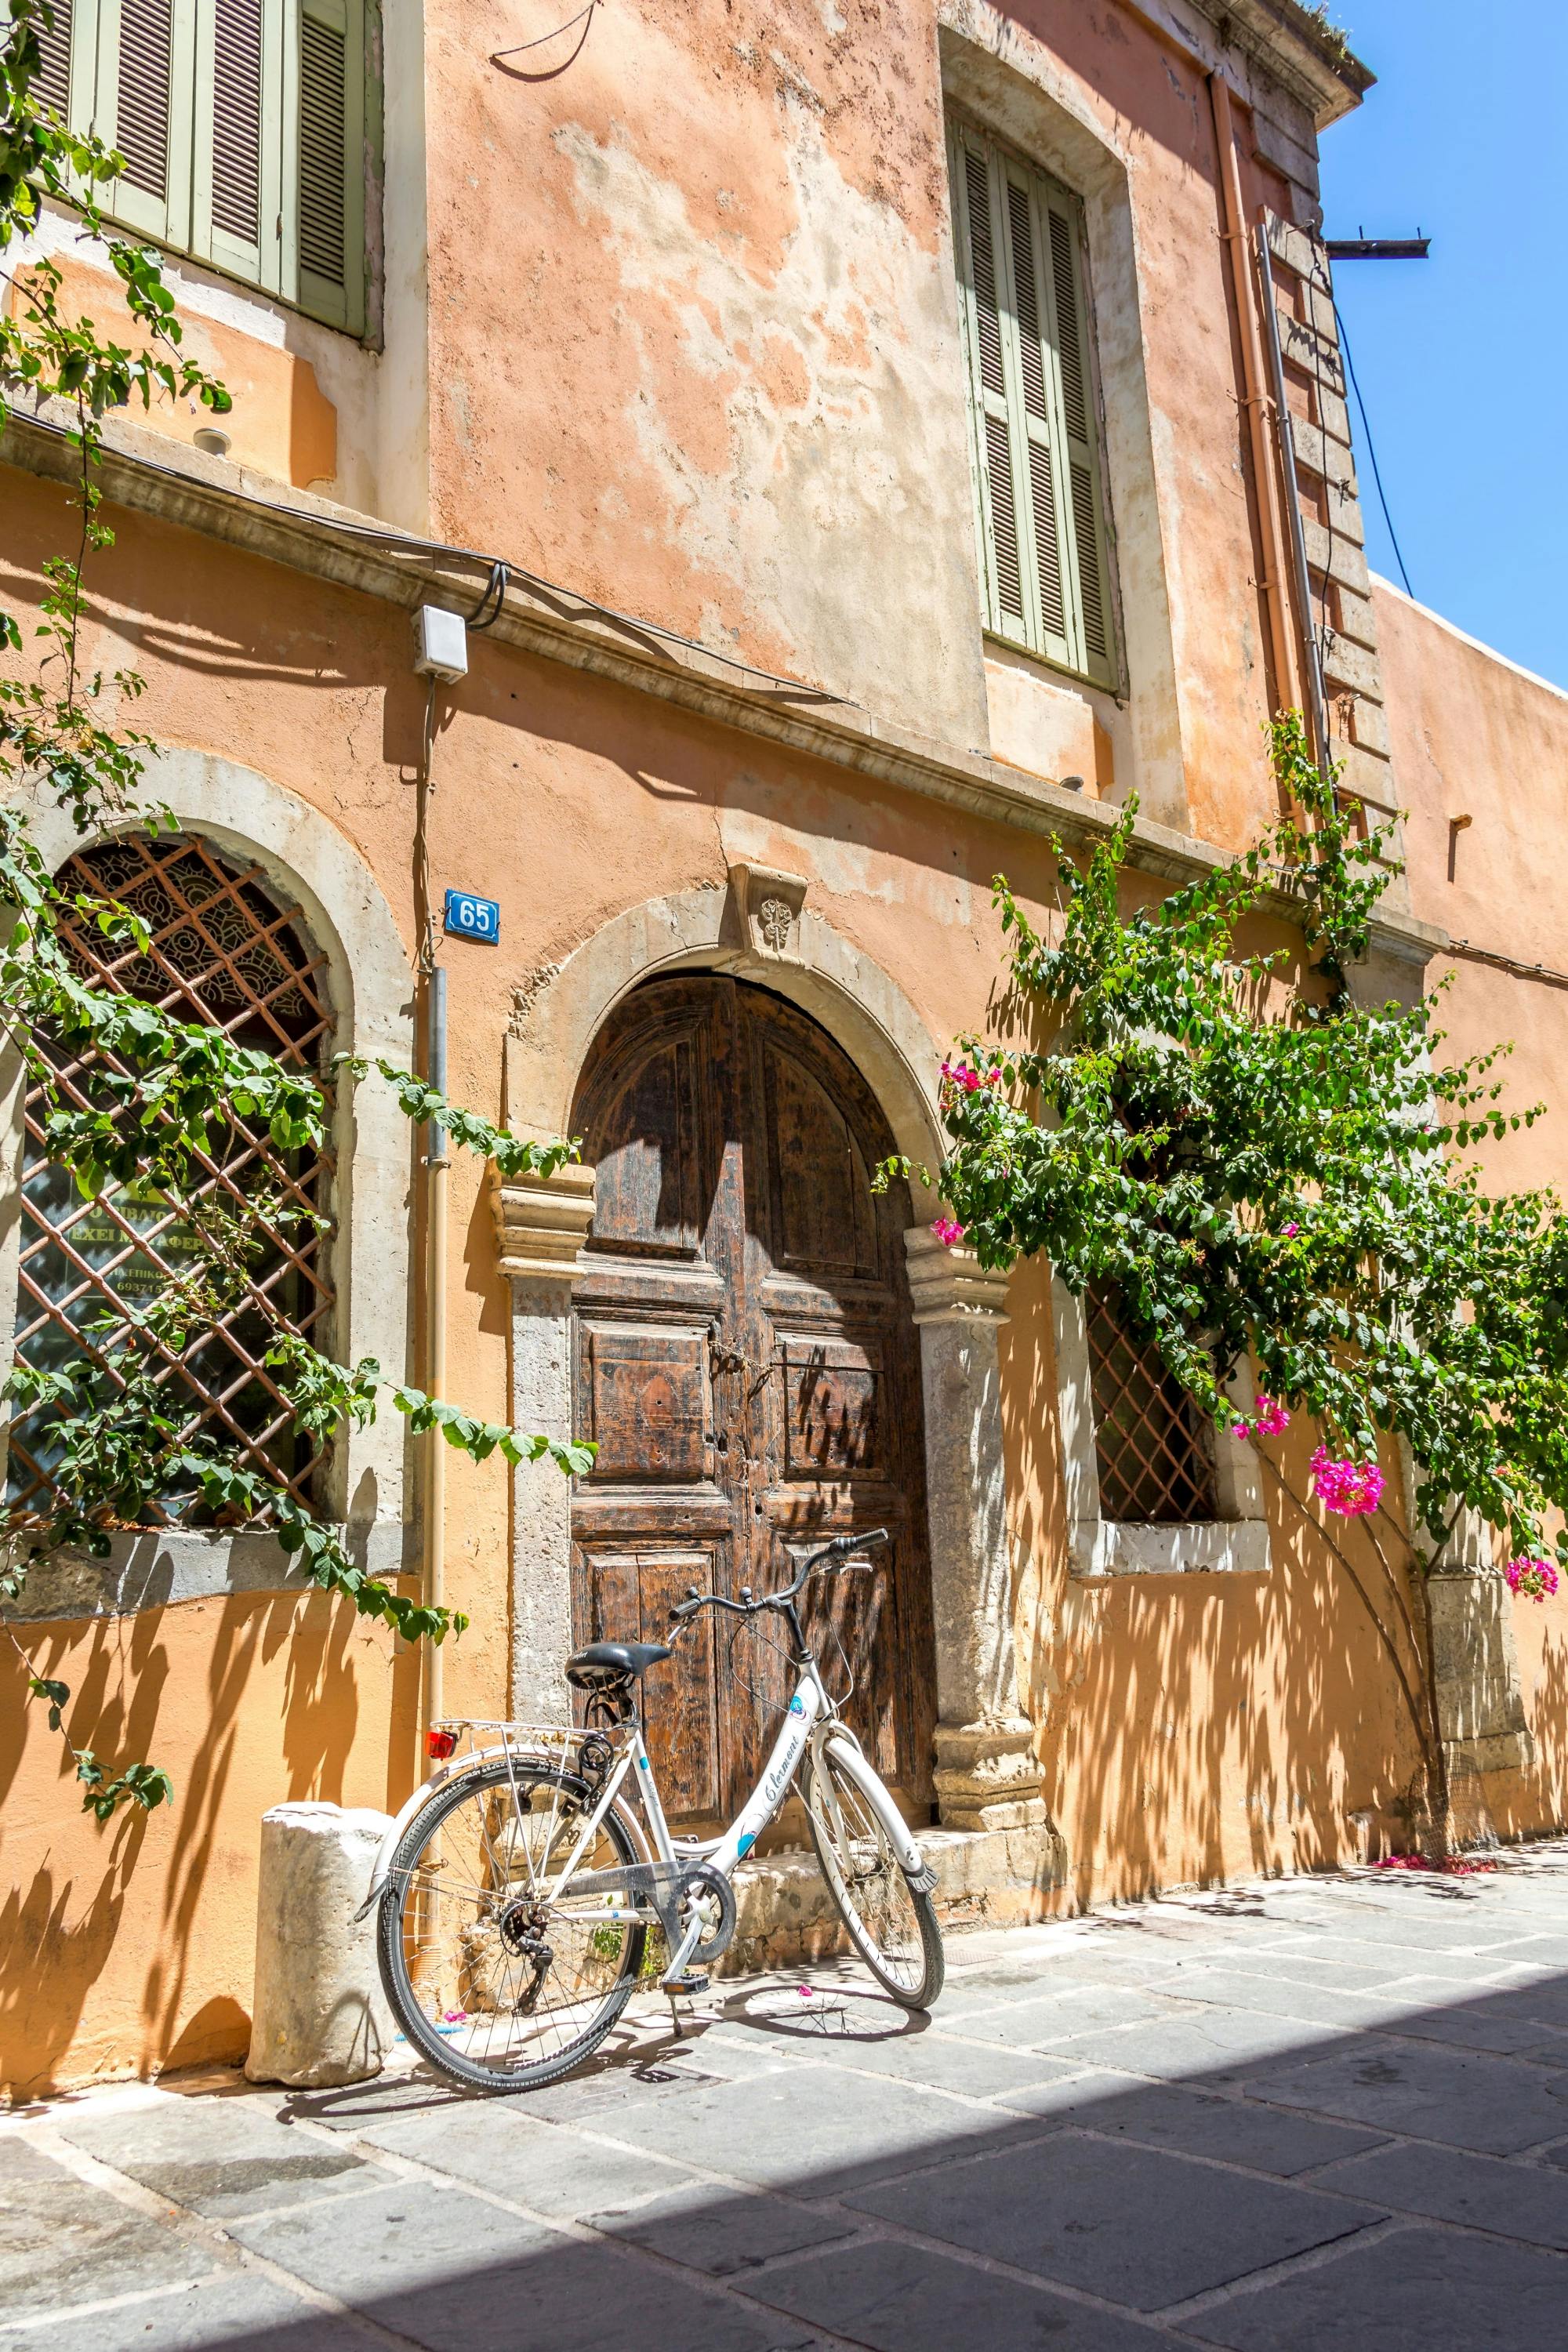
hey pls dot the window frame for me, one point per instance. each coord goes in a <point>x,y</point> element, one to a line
<point>1011,180</point>
<point>1235,1542</point>
<point>182,220</point>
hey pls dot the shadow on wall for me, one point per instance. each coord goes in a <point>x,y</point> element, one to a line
<point>166,1897</point>
<point>1196,1727</point>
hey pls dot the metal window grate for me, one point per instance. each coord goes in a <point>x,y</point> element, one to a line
<point>1149,1441</point>
<point>223,951</point>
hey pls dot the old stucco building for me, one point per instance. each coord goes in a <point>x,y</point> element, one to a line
<point>873,407</point>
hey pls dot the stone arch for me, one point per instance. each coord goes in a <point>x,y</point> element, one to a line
<point>707,929</point>
<point>307,858</point>
<point>760,930</point>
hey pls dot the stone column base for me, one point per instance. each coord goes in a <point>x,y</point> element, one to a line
<point>986,1776</point>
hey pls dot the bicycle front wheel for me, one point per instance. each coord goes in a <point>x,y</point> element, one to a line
<point>891,1924</point>
<point>498,1979</point>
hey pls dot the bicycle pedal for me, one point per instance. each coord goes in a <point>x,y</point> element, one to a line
<point>694,1980</point>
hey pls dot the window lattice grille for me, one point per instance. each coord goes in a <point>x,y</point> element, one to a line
<point>220,952</point>
<point>1151,1443</point>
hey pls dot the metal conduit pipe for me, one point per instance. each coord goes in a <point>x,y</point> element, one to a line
<point>1255,402</point>
<point>437,1167</point>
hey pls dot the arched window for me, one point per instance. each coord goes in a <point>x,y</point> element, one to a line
<point>223,949</point>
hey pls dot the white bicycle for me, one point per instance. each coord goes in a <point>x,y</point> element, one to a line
<point>517,1888</point>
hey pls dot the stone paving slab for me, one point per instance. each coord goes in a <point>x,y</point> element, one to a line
<point>900,2299</point>
<point>1078,2212</point>
<point>1194,2123</point>
<point>455,2274</point>
<point>217,2156</point>
<point>1280,2117</point>
<point>238,2311</point>
<point>1417,2291</point>
<point>1463,2098</point>
<point>1480,2192</point>
<point>62,2243</point>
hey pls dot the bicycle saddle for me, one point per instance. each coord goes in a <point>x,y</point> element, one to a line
<point>603,1663</point>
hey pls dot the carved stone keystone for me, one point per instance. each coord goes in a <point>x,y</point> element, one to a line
<point>769,903</point>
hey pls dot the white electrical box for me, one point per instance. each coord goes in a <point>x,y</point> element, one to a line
<point>441,644</point>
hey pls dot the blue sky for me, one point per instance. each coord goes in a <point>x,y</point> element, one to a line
<point>1462,359</point>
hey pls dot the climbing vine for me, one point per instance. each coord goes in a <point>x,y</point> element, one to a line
<point>166,1095</point>
<point>1267,1168</point>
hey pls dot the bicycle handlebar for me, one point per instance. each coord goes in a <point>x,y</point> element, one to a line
<point>831,1554</point>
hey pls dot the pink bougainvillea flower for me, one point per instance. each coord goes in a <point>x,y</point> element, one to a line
<point>1453,1867</point>
<point>948,1231</point>
<point>1532,1579</point>
<point>805,1991</point>
<point>1289,1232</point>
<point>1352,1489</point>
<point>1271,1419</point>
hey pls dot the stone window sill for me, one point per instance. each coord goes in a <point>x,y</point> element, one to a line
<point>151,1568</point>
<point>1104,1548</point>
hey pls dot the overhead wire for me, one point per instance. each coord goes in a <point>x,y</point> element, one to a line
<point>1371,448</point>
<point>385,535</point>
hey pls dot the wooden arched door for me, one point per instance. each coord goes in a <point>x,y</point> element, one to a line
<point>747,1365</point>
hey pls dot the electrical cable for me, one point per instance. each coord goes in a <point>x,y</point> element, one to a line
<point>406,542</point>
<point>1371,449</point>
<point>488,611</point>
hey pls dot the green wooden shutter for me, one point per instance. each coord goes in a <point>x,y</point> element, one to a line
<point>239,153</point>
<point>1037,483</point>
<point>53,87</point>
<point>1091,582</point>
<point>142,105</point>
<point>324,162</point>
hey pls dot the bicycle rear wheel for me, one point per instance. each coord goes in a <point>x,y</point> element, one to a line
<point>892,1924</point>
<point>500,1985</point>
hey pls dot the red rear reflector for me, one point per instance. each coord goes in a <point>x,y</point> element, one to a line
<point>440,1744</point>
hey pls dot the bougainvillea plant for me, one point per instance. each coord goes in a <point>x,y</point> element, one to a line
<point>1265,1168</point>
<point>167,1094</point>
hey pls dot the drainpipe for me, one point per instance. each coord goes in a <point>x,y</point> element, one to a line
<point>1317,711</point>
<point>1255,402</point>
<point>437,1169</point>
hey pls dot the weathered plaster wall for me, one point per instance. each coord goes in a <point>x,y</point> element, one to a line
<point>570,801</point>
<point>1472,736</point>
<point>713,254</point>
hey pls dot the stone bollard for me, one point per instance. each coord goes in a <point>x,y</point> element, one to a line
<point>320,2017</point>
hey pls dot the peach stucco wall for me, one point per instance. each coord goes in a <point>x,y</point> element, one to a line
<point>692,347</point>
<point>1474,736</point>
<point>1186,1731</point>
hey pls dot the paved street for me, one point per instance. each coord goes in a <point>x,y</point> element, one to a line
<point>1328,2112</point>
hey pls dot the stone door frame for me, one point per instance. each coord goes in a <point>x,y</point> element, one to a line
<point>760,929</point>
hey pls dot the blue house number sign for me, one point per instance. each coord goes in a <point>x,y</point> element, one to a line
<point>469,917</point>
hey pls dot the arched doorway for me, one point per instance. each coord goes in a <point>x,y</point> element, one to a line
<point>746,1361</point>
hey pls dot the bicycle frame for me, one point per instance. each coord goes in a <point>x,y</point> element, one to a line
<point>811,1721</point>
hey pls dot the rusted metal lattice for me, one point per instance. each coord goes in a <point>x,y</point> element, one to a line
<point>223,951</point>
<point>1152,1443</point>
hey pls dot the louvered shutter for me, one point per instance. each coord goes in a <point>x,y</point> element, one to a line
<point>1036,465</point>
<point>144,106</point>
<point>328,161</point>
<point>239,148</point>
<point>53,86</point>
<point>1091,586</point>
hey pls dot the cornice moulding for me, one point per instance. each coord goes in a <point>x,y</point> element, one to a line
<point>315,536</point>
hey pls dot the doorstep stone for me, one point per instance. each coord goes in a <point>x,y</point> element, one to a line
<point>984,1878</point>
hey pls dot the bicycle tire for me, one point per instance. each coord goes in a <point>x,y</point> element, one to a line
<point>870,1887</point>
<point>471,1931</point>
